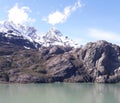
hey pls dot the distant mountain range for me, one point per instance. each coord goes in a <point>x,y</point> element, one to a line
<point>30,38</point>
<point>29,57</point>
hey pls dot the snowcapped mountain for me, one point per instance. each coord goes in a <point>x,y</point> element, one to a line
<point>18,34</point>
<point>32,38</point>
<point>17,30</point>
<point>55,37</point>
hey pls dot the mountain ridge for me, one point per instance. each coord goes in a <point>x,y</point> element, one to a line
<point>97,62</point>
<point>25,58</point>
<point>51,38</point>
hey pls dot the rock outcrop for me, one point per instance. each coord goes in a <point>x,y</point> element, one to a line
<point>101,61</point>
<point>95,62</point>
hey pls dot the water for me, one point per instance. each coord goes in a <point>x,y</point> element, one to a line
<point>60,93</point>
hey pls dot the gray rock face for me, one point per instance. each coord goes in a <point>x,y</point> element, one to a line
<point>101,60</point>
<point>95,62</point>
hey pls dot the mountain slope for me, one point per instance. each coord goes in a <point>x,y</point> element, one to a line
<point>95,62</point>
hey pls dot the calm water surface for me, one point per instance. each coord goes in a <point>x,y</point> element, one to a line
<point>59,93</point>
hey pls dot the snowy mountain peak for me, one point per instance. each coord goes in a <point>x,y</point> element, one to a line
<point>51,38</point>
<point>53,31</point>
<point>18,34</point>
<point>55,37</point>
<point>17,28</point>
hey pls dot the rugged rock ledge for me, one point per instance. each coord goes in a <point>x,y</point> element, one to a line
<point>95,62</point>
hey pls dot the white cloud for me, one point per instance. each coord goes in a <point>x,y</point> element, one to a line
<point>104,35</point>
<point>60,17</point>
<point>19,15</point>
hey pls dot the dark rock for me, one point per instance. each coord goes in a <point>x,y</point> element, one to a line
<point>56,50</point>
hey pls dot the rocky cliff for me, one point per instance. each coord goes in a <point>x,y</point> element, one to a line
<point>95,62</point>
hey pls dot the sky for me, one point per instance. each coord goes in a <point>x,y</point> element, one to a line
<point>81,20</point>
